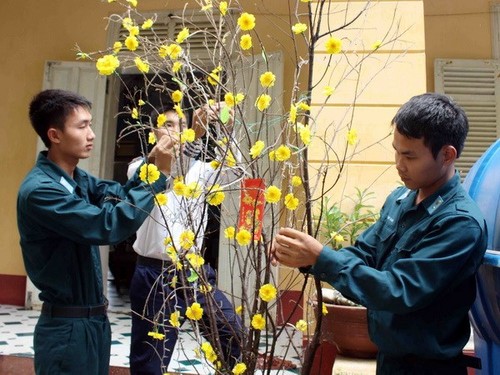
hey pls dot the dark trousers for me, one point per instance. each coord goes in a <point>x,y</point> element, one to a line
<point>412,365</point>
<point>153,299</point>
<point>69,346</point>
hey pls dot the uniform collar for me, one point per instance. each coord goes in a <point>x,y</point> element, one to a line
<point>56,173</point>
<point>434,201</point>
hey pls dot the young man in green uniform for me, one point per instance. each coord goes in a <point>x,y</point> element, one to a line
<point>414,269</point>
<point>64,214</point>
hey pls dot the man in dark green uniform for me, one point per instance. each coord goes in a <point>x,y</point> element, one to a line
<point>414,269</point>
<point>64,214</point>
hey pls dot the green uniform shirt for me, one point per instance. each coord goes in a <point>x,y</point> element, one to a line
<point>62,221</point>
<point>415,271</point>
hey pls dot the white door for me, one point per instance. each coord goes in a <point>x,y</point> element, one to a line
<point>80,77</point>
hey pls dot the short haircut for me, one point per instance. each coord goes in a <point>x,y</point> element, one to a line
<point>436,118</point>
<point>51,108</point>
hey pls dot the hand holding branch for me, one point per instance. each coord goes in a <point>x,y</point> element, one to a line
<point>293,248</point>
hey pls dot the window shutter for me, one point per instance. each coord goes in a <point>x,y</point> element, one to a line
<point>475,86</point>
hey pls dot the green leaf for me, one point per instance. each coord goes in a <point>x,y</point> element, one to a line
<point>224,115</point>
<point>193,277</point>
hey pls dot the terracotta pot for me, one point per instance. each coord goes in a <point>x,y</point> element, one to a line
<point>347,328</point>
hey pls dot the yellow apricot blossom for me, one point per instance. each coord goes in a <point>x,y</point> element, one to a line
<point>117,46</point>
<point>376,45</point>
<point>177,96</point>
<point>147,24</point>
<point>333,45</point>
<point>209,352</point>
<point>195,260</point>
<point>229,232</point>
<point>305,134</point>
<point>223,7</point>
<point>176,66</point>
<point>328,90</point>
<point>291,201</point>
<point>161,120</point>
<point>257,149</point>
<point>263,102</point>
<point>258,322</point>
<point>215,196</point>
<point>131,43</point>
<point>132,2</point>
<point>267,79</point>
<point>267,292</point>
<point>156,335</point>
<point>142,65</point>
<point>301,325</point>
<point>151,138</point>
<point>149,173</point>
<point>272,194</point>
<point>179,112</point>
<point>296,181</point>
<point>193,190</point>
<point>107,64</point>
<point>246,21</point>
<point>213,78</point>
<point>183,34</point>
<point>194,312</point>
<point>161,199</point>
<point>239,369</point>
<point>243,237</point>
<point>299,28</point>
<point>282,153</point>
<point>352,137</point>
<point>174,319</point>
<point>186,239</point>
<point>246,42</point>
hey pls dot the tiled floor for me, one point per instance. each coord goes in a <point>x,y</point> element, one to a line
<point>17,326</point>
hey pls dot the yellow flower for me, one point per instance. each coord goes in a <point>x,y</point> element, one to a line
<point>328,90</point>
<point>195,260</point>
<point>229,232</point>
<point>305,134</point>
<point>187,136</point>
<point>299,28</point>
<point>301,325</point>
<point>170,251</point>
<point>376,45</point>
<point>205,288</point>
<point>263,102</point>
<point>151,138</point>
<point>107,64</point>
<point>215,196</point>
<point>147,24</point>
<point>283,153</point>
<point>324,310</point>
<point>243,237</point>
<point>239,97</point>
<point>132,43</point>
<point>174,319</point>
<point>161,199</point>
<point>156,335</point>
<point>195,311</point>
<point>229,99</point>
<point>291,202</point>
<point>149,173</point>
<point>267,79</point>
<point>183,34</point>
<point>257,148</point>
<point>127,23</point>
<point>209,352</point>
<point>186,239</point>
<point>272,194</point>
<point>179,188</point>
<point>246,21</point>
<point>305,1</point>
<point>213,77</point>
<point>179,112</point>
<point>267,292</point>
<point>304,106</point>
<point>258,322</point>
<point>333,45</point>
<point>352,137</point>
<point>173,51</point>
<point>230,161</point>
<point>239,369</point>
<point>142,65</point>
<point>160,121</point>
<point>177,96</point>
<point>167,240</point>
<point>223,7</point>
<point>111,1</point>
<point>296,181</point>
<point>132,2</point>
<point>135,113</point>
<point>272,155</point>
<point>134,31</point>
<point>238,310</point>
<point>192,190</point>
<point>117,46</point>
<point>176,66</point>
<point>337,237</point>
<point>293,114</point>
<point>246,42</point>
<point>141,102</point>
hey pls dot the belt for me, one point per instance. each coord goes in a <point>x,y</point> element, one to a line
<point>151,262</point>
<point>73,311</point>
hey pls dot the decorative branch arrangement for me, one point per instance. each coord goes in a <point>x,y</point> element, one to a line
<point>258,150</point>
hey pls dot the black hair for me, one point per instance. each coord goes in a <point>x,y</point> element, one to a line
<point>51,108</point>
<point>436,118</point>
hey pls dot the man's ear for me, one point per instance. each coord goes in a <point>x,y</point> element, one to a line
<point>449,154</point>
<point>54,135</point>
